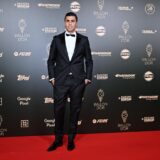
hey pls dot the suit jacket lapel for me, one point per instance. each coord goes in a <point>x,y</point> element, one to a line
<point>76,45</point>
<point>64,46</point>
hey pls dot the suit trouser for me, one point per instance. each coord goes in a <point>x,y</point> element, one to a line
<point>75,91</point>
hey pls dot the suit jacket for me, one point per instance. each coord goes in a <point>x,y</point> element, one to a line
<point>81,64</point>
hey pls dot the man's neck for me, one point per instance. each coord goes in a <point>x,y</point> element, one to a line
<point>74,32</point>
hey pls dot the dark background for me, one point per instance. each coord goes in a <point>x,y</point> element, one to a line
<point>96,116</point>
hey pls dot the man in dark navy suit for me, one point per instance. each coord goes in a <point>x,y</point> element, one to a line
<point>70,70</point>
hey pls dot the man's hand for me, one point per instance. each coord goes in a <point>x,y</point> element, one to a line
<point>53,82</point>
<point>87,81</point>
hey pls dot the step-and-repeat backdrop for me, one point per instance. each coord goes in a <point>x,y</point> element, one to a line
<point>125,42</point>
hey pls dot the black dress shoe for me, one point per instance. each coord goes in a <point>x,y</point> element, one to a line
<point>54,146</point>
<point>71,146</point>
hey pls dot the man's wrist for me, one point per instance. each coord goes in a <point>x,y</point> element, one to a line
<point>51,79</point>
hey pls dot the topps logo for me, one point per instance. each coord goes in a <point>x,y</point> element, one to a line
<point>48,100</point>
<point>23,77</point>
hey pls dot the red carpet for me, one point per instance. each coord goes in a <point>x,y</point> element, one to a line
<point>102,146</point>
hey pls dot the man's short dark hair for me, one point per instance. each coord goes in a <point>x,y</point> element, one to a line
<point>71,14</point>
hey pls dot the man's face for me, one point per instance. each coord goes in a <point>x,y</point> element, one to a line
<point>70,24</point>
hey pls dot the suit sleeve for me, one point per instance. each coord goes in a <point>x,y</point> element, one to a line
<point>51,62</point>
<point>88,60</point>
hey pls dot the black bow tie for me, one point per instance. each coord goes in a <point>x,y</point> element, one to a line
<point>73,35</point>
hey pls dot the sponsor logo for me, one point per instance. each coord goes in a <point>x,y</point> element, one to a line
<point>23,36</point>
<point>49,5</point>
<point>126,37</point>
<point>81,30</point>
<point>124,126</point>
<point>125,98</point>
<point>149,60</point>
<point>48,100</point>
<point>100,14</point>
<point>44,77</point>
<point>100,121</point>
<point>75,6</point>
<point>148,119</point>
<point>102,54</point>
<point>125,54</point>
<point>100,31</point>
<point>125,8</point>
<point>149,97</point>
<point>23,101</point>
<point>126,76</point>
<point>149,31</point>
<point>148,76</point>
<point>21,77</point>
<point>49,122</point>
<point>49,30</point>
<point>2,131</point>
<point>150,8</point>
<point>23,5</point>
<point>100,105</point>
<point>22,54</point>
<point>101,76</point>
<point>24,123</point>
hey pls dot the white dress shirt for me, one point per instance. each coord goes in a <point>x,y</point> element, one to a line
<point>70,44</point>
